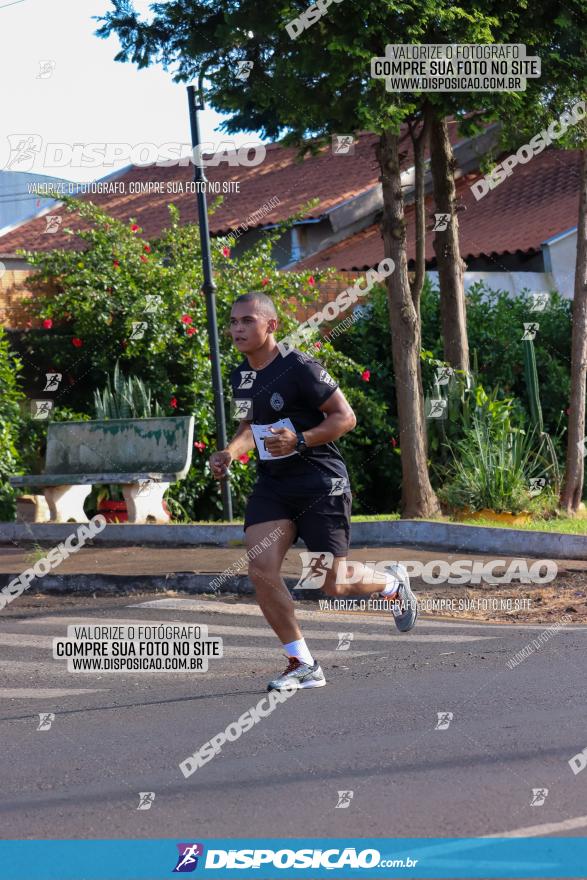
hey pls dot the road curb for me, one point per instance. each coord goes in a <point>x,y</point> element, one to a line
<point>114,584</point>
<point>410,533</point>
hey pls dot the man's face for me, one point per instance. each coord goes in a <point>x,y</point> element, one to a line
<point>250,327</point>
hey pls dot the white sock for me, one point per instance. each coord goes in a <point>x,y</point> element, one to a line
<point>391,586</point>
<point>300,650</point>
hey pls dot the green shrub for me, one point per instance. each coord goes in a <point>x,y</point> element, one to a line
<point>495,460</point>
<point>10,421</point>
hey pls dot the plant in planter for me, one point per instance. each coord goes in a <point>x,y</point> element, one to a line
<point>494,463</point>
<point>123,397</point>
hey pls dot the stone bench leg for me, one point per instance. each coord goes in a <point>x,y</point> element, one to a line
<point>144,502</point>
<point>66,503</point>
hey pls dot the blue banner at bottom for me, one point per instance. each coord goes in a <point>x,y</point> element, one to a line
<point>312,858</point>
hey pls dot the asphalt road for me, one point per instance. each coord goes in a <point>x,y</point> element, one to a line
<point>372,731</point>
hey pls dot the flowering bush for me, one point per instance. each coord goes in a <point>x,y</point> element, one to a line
<point>139,302</point>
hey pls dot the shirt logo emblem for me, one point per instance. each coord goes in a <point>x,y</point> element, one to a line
<point>247,378</point>
<point>326,377</point>
<point>277,401</point>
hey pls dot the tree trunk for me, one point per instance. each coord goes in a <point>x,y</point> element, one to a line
<point>418,497</point>
<point>419,144</point>
<point>446,247</point>
<point>573,481</point>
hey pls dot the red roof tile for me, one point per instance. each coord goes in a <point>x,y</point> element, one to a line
<point>333,179</point>
<point>539,200</point>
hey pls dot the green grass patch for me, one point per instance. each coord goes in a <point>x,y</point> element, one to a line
<point>563,525</point>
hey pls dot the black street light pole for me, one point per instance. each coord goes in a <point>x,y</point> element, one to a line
<point>208,287</point>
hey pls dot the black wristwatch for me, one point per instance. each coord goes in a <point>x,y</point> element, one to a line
<point>301,444</point>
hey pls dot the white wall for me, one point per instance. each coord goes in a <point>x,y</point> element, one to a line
<point>514,282</point>
<point>559,258</point>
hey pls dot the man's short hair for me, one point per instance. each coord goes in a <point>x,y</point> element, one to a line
<point>263,302</point>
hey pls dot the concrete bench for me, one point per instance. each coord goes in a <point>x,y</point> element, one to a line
<point>144,456</point>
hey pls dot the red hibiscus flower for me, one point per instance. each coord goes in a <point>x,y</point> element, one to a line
<point>226,252</point>
<point>190,331</point>
<point>77,342</point>
<point>173,402</point>
<point>264,282</point>
<point>144,258</point>
<point>199,445</point>
<point>48,323</point>
<point>244,458</point>
<point>311,281</point>
<point>135,227</point>
<point>366,375</point>
<point>116,264</point>
<point>147,248</point>
<point>317,345</point>
<point>186,319</point>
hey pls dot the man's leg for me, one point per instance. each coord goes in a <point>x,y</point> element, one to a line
<point>341,582</point>
<point>265,573</point>
<point>277,605</point>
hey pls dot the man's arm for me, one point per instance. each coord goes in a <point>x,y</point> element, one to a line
<point>340,419</point>
<point>243,441</point>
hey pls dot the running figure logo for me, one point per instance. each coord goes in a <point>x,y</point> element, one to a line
<point>339,486</point>
<point>343,144</point>
<point>138,329</point>
<point>23,151</point>
<point>444,375</point>
<point>244,70</point>
<point>537,484</point>
<point>344,799</point>
<point>441,222</point>
<point>344,641</point>
<point>539,795</point>
<point>46,68</point>
<point>41,409</point>
<point>437,408</point>
<point>530,330</point>
<point>46,719</point>
<point>444,719</point>
<point>241,409</point>
<point>146,799</point>
<point>539,301</point>
<point>53,380</point>
<point>188,857</point>
<point>316,566</point>
<point>52,223</point>
<point>247,378</point>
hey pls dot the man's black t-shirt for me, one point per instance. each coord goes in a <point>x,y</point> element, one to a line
<point>292,387</point>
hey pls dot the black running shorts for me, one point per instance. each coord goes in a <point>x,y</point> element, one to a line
<point>322,521</point>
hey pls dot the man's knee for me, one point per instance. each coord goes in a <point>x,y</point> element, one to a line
<point>263,572</point>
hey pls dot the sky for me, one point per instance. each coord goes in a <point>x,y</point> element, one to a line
<point>85,96</point>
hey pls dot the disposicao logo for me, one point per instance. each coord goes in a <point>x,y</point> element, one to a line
<point>188,857</point>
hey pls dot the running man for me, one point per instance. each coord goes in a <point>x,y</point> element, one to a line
<point>294,413</point>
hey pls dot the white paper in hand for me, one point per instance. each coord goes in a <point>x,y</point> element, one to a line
<point>262,431</point>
